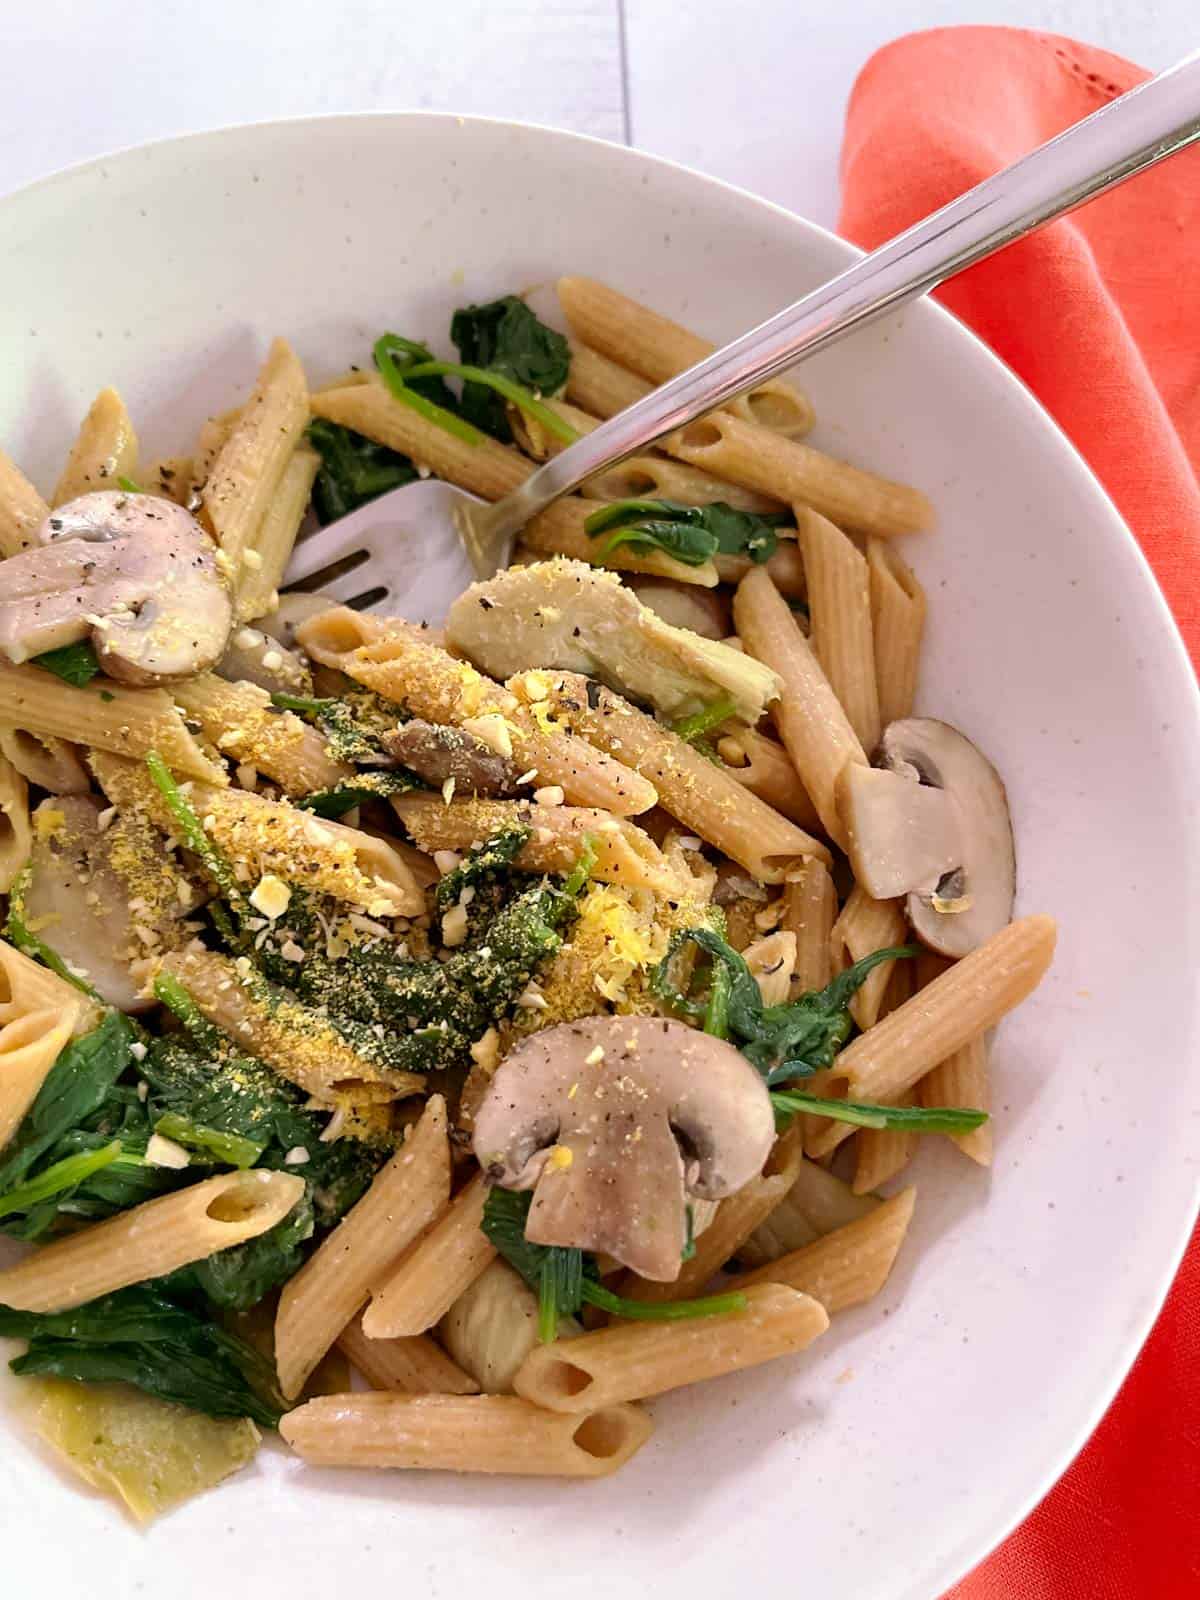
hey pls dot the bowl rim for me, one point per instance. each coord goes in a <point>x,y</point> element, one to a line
<point>964,1557</point>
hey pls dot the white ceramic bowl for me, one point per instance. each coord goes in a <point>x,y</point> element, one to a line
<point>886,1461</point>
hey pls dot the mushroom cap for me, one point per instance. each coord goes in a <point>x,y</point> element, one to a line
<point>134,572</point>
<point>974,898</point>
<point>611,1141</point>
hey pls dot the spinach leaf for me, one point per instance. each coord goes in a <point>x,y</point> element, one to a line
<point>694,728</point>
<point>566,1279</point>
<point>354,469</point>
<point>425,392</point>
<point>354,791</point>
<point>916,1119</point>
<point>73,663</point>
<point>484,868</point>
<point>144,1337</point>
<point>506,338</point>
<point>691,534</point>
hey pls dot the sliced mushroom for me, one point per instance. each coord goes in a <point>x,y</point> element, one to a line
<point>566,614</point>
<point>612,1121</point>
<point>295,607</point>
<point>438,754</point>
<point>91,889</point>
<point>252,656</point>
<point>135,574</point>
<point>933,824</point>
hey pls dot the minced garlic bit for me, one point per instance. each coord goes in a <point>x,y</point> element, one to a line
<point>248,638</point>
<point>272,660</point>
<point>272,896</point>
<point>448,790</point>
<point>531,998</point>
<point>446,861</point>
<point>527,777</point>
<point>162,1152</point>
<point>291,951</point>
<point>537,685</point>
<point>551,795</point>
<point>595,1056</point>
<point>492,730</point>
<point>137,1050</point>
<point>251,560</point>
<point>485,1052</point>
<point>297,1156</point>
<point>559,1158</point>
<point>454,926</point>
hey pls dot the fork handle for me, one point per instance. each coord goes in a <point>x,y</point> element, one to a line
<point>1123,138</point>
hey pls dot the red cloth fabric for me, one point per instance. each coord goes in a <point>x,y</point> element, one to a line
<point>1100,315</point>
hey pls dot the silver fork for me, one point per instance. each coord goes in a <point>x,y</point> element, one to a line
<point>413,550</point>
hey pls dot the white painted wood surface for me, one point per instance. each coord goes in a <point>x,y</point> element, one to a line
<point>753,91</point>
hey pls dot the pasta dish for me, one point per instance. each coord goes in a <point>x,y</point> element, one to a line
<point>432,1042</point>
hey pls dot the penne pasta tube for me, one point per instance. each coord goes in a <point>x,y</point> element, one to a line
<point>170,477</point>
<point>126,722</point>
<point>560,531</point>
<point>249,466</point>
<point>764,767</point>
<point>812,724</point>
<point>435,1271</point>
<point>29,1047</point>
<point>53,764</point>
<point>404,1366</point>
<point>297,1041</point>
<point>25,986</point>
<point>840,628</point>
<point>150,1240</point>
<point>273,838</point>
<point>881,1153</point>
<point>463,1433</point>
<point>785,568</point>
<point>275,536</point>
<point>403,667</point>
<point>630,1361</point>
<point>809,910</point>
<point>847,1266</point>
<point>624,854</point>
<point>22,509</point>
<point>760,459</point>
<point>962,1080</point>
<point>866,925</point>
<point>658,349</point>
<point>700,793</point>
<point>816,1203</point>
<point>956,1007</point>
<point>243,724</point>
<point>601,386</point>
<point>336,1281</point>
<point>735,1219</point>
<point>16,829</point>
<point>898,624</point>
<point>213,435</point>
<point>105,450</point>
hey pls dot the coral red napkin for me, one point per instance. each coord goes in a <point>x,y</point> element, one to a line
<point>1100,315</point>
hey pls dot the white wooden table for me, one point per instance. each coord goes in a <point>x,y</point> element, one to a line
<point>750,90</point>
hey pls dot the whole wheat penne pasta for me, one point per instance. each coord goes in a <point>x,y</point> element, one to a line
<point>463,1433</point>
<point>898,624</point>
<point>25,986</point>
<point>22,509</point>
<point>785,567</point>
<point>16,830</point>
<point>434,1271</point>
<point>29,1047</point>
<point>336,1281</point>
<point>601,386</point>
<point>956,1007</point>
<point>847,1266</point>
<point>274,838</point>
<point>560,531</point>
<point>764,767</point>
<point>881,1153</point>
<point>761,459</point>
<point>213,435</point>
<point>809,909</point>
<point>240,720</point>
<point>624,854</point>
<point>658,349</point>
<point>150,1240</point>
<point>705,797</point>
<point>52,763</point>
<point>127,722</point>
<point>962,1080</point>
<point>866,925</point>
<point>493,1325</point>
<point>403,667</point>
<point>815,1204</point>
<point>630,1361</point>
<point>812,724</point>
<point>404,1366</point>
<point>770,959</point>
<point>246,473</point>
<point>297,1041</point>
<point>840,631</point>
<point>169,476</point>
<point>266,557</point>
<point>733,1222</point>
<point>105,450</point>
